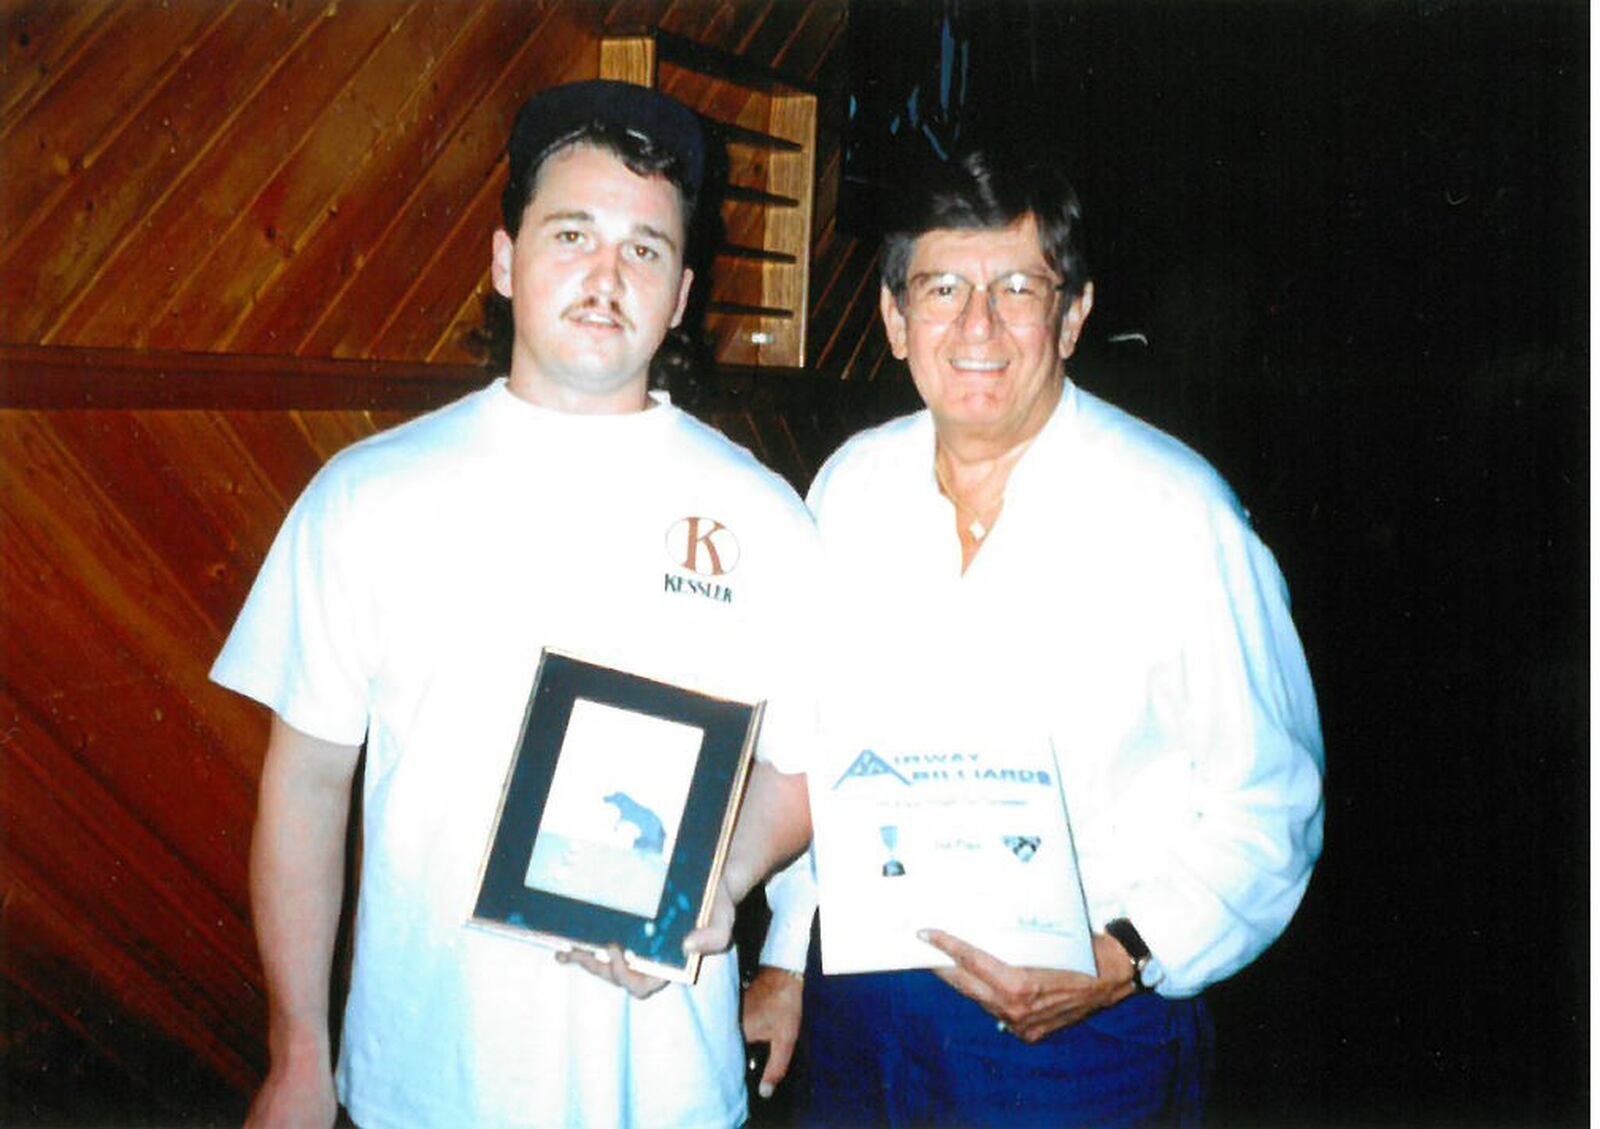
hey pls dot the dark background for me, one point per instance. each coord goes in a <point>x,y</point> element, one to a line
<point>1355,237</point>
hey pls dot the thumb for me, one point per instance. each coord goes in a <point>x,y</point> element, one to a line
<point>717,934</point>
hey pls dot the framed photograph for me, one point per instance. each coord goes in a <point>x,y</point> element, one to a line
<point>617,813</point>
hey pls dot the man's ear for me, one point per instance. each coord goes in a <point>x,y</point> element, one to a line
<point>894,323</point>
<point>500,256</point>
<point>1072,321</point>
<point>686,285</point>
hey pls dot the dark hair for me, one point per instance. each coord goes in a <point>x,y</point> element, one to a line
<point>980,191</point>
<point>493,340</point>
<point>638,153</point>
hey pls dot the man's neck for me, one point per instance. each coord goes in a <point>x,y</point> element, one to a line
<point>634,396</point>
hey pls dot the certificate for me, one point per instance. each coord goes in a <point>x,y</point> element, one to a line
<point>974,842</point>
<point>616,815</point>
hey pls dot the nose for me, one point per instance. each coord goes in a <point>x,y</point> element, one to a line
<point>977,317</point>
<point>605,274</point>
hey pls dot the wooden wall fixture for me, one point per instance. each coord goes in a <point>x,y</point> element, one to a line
<point>760,298</point>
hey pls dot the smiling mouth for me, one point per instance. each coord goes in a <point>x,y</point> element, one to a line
<point>977,366</point>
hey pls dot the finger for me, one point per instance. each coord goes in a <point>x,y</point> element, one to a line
<point>713,938</point>
<point>587,961</point>
<point>716,935</point>
<point>969,957</point>
<point>971,987</point>
<point>639,984</point>
<point>975,973</point>
<point>614,970</point>
<point>778,1060</point>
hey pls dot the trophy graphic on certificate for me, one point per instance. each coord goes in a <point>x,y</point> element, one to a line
<point>892,867</point>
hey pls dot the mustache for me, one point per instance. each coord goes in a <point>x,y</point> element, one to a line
<point>594,304</point>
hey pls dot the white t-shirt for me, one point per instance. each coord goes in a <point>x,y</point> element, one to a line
<point>405,602</point>
<point>1121,608</point>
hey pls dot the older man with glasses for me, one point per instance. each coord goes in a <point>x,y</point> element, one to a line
<point>1022,557</point>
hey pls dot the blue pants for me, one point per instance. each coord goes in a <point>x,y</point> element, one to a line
<point>903,1049</point>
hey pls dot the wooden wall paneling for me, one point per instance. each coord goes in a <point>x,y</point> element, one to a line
<point>136,472</point>
<point>123,305</point>
<point>747,26</point>
<point>330,80</point>
<point>83,107</point>
<point>784,285</point>
<point>152,154</point>
<point>737,276</point>
<point>817,28</point>
<point>846,276</point>
<point>115,1003</point>
<point>84,808</point>
<point>100,862</point>
<point>830,172</point>
<point>713,100</point>
<point>68,240</point>
<point>285,308</point>
<point>737,426</point>
<point>729,337</point>
<point>221,478</point>
<point>328,433</point>
<point>111,600</point>
<point>143,727</point>
<point>629,59</point>
<point>704,21</point>
<point>41,38</point>
<point>563,50</point>
<point>873,360</point>
<point>633,17</point>
<point>800,452</point>
<point>55,1074</point>
<point>782,453</point>
<point>767,29</point>
<point>383,421</point>
<point>282,456</point>
<point>444,303</point>
<point>454,345</point>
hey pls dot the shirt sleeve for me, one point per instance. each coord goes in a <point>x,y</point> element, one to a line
<point>304,642</point>
<point>790,726</point>
<point>792,895</point>
<point>1234,835</point>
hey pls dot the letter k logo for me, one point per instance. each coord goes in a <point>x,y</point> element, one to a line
<point>703,546</point>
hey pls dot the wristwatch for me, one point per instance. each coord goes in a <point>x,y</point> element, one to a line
<point>1128,937</point>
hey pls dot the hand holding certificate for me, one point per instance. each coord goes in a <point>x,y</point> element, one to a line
<point>973,843</point>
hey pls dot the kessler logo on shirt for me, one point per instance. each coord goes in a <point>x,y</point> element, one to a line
<point>707,549</point>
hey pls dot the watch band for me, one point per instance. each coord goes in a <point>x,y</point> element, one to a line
<point>1139,952</point>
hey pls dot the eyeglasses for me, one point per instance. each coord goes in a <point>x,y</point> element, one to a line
<point>1017,298</point>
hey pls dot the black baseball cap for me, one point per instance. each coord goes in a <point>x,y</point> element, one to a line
<point>554,116</point>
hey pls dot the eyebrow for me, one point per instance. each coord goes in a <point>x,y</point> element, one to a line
<point>923,275</point>
<point>640,230</point>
